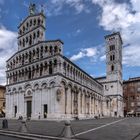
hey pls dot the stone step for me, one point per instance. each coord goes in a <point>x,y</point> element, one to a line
<point>28,136</point>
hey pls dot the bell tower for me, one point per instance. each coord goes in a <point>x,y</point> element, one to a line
<point>32,30</point>
<point>114,57</point>
<point>114,73</point>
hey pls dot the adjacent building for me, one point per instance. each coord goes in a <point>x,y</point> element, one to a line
<point>43,83</point>
<point>131,93</point>
<point>2,100</point>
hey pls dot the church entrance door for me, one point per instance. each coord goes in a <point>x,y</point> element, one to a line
<point>15,111</point>
<point>45,110</point>
<point>29,109</point>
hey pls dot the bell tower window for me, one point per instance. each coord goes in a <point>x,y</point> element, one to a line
<point>110,57</point>
<point>112,47</point>
<point>112,68</point>
<point>113,57</point>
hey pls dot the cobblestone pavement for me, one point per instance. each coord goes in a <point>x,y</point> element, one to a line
<point>9,138</point>
<point>101,129</point>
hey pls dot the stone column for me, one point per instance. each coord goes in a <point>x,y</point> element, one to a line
<point>85,110</point>
<point>61,67</point>
<point>94,105</point>
<point>69,101</point>
<point>83,103</point>
<point>90,104</point>
<point>72,102</point>
<point>33,102</point>
<point>66,100</point>
<point>79,102</point>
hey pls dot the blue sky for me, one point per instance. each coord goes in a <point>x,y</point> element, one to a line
<point>81,25</point>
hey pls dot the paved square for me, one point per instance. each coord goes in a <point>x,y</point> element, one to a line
<point>95,129</point>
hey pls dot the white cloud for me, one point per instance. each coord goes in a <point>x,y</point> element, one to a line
<point>77,4</point>
<point>26,4</point>
<point>130,56</point>
<point>123,17</point>
<point>77,56</point>
<point>78,31</point>
<point>102,58</point>
<point>55,6</point>
<point>8,45</point>
<point>88,52</point>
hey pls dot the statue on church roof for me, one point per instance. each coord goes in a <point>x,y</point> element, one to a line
<point>42,8</point>
<point>32,9</point>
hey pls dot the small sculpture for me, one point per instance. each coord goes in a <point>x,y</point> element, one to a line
<point>32,9</point>
<point>58,94</point>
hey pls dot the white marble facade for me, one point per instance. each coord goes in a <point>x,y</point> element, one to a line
<point>43,83</point>
<point>64,99</point>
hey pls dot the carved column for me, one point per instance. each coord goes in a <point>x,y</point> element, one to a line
<point>90,104</point>
<point>72,98</point>
<point>94,104</point>
<point>66,100</point>
<point>79,102</point>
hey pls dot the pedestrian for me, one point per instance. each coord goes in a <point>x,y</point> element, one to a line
<point>39,116</point>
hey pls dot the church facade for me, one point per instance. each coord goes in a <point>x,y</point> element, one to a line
<point>43,83</point>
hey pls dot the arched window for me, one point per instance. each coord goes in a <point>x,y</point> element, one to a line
<point>34,21</point>
<point>22,59</point>
<point>34,36</point>
<point>23,28</point>
<point>30,22</point>
<point>51,50</point>
<point>33,53</point>
<point>60,50</point>
<point>20,32</point>
<point>30,56</point>
<point>20,42</point>
<point>37,68</point>
<point>22,72</point>
<point>26,55</point>
<point>113,57</point>
<point>38,33</point>
<point>26,39</point>
<point>23,42</point>
<point>50,68</point>
<point>112,68</point>
<point>41,53</point>
<point>46,65</point>
<point>38,21</point>
<point>112,47</point>
<point>37,52</point>
<point>41,69</point>
<point>29,73</point>
<point>30,40</point>
<point>33,71</point>
<point>55,49</point>
<point>64,65</point>
<point>46,49</point>
<point>55,62</point>
<point>27,24</point>
<point>110,57</point>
